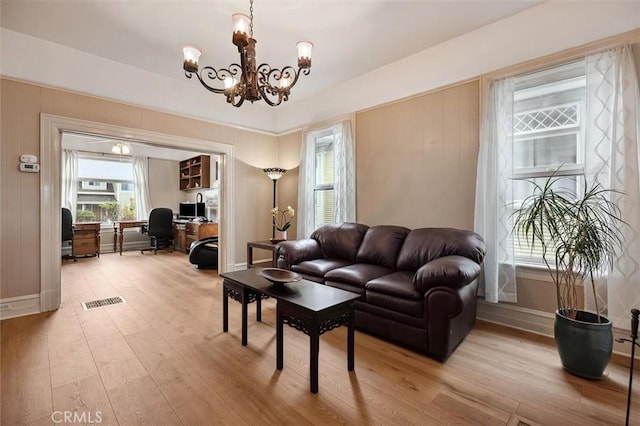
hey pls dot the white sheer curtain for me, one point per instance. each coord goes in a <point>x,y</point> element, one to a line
<point>612,159</point>
<point>345,173</point>
<point>344,177</point>
<point>69,190</point>
<point>306,180</point>
<point>492,219</point>
<point>141,186</point>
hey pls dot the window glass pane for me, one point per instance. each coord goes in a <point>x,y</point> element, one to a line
<point>105,190</point>
<point>105,169</point>
<point>324,207</point>
<point>565,184</point>
<point>546,151</point>
<point>324,163</point>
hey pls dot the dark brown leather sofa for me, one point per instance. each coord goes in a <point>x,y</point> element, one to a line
<point>418,286</point>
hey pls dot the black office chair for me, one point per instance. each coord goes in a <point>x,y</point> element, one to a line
<point>204,253</point>
<point>160,229</point>
<point>67,231</point>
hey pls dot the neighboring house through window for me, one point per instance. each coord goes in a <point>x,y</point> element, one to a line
<point>105,189</point>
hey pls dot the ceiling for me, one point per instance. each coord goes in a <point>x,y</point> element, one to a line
<point>351,37</point>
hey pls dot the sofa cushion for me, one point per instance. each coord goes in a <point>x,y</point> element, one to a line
<point>398,284</point>
<point>358,274</point>
<point>381,245</point>
<point>347,287</point>
<point>425,244</point>
<point>318,267</point>
<point>340,240</point>
<point>404,306</point>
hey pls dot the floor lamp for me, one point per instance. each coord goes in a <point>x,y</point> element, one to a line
<point>274,174</point>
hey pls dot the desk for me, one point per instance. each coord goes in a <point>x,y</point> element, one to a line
<point>264,245</point>
<point>120,226</point>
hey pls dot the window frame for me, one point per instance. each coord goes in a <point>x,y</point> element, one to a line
<point>320,140</point>
<point>84,189</point>
<point>547,88</point>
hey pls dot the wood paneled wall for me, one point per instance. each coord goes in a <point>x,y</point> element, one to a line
<point>416,160</point>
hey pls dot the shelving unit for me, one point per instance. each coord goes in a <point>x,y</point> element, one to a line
<point>195,173</point>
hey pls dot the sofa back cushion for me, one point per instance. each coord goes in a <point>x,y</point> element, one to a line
<point>425,244</point>
<point>381,245</point>
<point>340,240</point>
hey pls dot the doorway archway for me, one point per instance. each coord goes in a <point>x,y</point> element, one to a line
<point>51,129</point>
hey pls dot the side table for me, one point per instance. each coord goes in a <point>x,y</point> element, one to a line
<point>264,245</point>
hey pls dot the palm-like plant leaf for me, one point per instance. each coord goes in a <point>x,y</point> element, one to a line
<point>580,234</point>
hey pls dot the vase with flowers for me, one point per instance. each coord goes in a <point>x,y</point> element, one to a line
<point>282,221</point>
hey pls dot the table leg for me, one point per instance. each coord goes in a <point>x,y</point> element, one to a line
<point>249,256</point>
<point>350,340</point>
<point>121,238</point>
<point>259,308</point>
<point>314,337</point>
<point>225,309</point>
<point>244,302</point>
<point>115,238</point>
<point>279,339</point>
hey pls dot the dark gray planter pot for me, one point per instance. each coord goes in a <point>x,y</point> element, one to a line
<point>584,344</point>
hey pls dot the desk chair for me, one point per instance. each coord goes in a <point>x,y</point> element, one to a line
<point>67,231</point>
<point>160,229</point>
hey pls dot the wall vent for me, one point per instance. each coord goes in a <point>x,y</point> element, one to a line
<point>102,302</point>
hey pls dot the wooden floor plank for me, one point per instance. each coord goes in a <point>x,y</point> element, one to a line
<point>162,358</point>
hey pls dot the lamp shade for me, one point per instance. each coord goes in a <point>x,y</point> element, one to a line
<point>120,148</point>
<point>275,173</point>
<point>241,24</point>
<point>191,58</point>
<point>304,54</point>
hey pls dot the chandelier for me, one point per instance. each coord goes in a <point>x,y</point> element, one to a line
<point>120,148</point>
<point>246,80</point>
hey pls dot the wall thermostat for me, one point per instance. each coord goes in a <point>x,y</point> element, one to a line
<point>29,167</point>
<point>27,158</point>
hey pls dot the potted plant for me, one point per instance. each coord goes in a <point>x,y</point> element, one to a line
<point>282,221</point>
<point>579,235</point>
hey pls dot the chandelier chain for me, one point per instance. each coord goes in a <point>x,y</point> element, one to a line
<point>251,18</point>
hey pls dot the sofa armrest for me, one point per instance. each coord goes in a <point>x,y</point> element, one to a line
<point>296,251</point>
<point>446,271</point>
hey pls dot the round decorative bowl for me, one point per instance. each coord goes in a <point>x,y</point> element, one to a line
<point>278,276</point>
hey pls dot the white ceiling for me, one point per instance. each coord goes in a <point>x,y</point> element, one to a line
<point>350,37</point>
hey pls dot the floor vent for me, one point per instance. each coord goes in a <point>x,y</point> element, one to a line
<point>102,302</point>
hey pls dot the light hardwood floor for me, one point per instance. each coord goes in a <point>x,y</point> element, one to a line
<point>162,358</point>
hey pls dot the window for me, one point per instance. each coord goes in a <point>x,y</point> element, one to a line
<point>548,135</point>
<point>105,189</point>
<point>324,193</point>
<point>326,184</point>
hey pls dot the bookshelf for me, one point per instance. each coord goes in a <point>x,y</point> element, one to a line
<point>195,173</point>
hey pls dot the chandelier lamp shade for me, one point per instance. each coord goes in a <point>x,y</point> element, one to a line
<point>247,80</point>
<point>120,148</point>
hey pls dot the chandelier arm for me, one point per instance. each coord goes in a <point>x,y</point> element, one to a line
<point>211,74</point>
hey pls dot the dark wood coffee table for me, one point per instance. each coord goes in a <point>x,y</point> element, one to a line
<point>306,306</point>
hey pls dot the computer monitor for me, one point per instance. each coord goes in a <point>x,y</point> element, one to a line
<point>191,210</point>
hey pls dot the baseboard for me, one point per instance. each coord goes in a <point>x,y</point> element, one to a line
<point>12,307</point>
<point>537,322</point>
